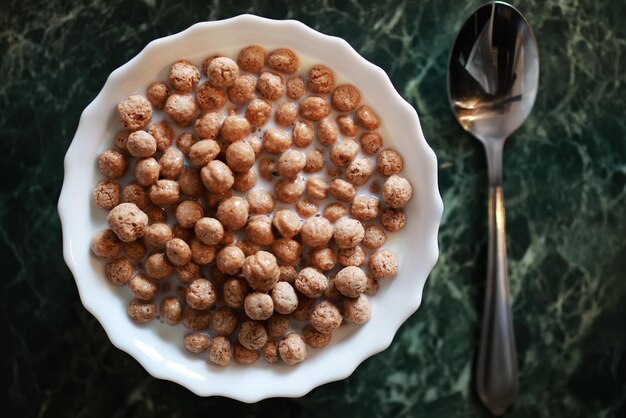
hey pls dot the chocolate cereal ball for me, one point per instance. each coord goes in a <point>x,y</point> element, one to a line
<point>220,350</point>
<point>141,144</point>
<point>371,142</point>
<point>314,338</point>
<point>276,141</point>
<point>374,237</point>
<point>302,133</point>
<point>288,251</point>
<point>284,298</point>
<point>156,214</point>
<point>143,288</point>
<point>350,281</point>
<point>190,182</point>
<point>135,112</point>
<point>186,234</point>
<point>208,125</point>
<point>314,161</point>
<point>289,190</point>
<point>184,142</point>
<point>323,259</point>
<point>277,325</point>
<point>270,352</point>
<point>196,320</point>
<point>178,252</point>
<point>240,156</point>
<point>334,211</point>
<point>247,248</point>
<point>345,98</point>
<point>354,256</point>
<point>222,72</point>
<point>119,271</point>
<point>372,287</point>
<point>393,220</point>
<point>171,164</point>
<point>305,308</point>
<point>286,113</point>
<point>260,201</point>
<point>201,253</point>
<point>233,213</point>
<point>107,194</point>
<point>106,245</point>
<point>164,135</point>
<point>342,190</point>
<point>261,271</point>
<point>235,128</point>
<point>316,232</point>
<point>230,259</point>
<point>252,334</point>
<point>235,291</point>
<point>357,310</point>
<point>127,221</point>
<point>157,94</point>
<point>120,140</point>
<point>343,152</point>
<point>367,118</point>
<point>245,181</point>
<point>157,235</point>
<point>307,207</point>
<point>242,91</point>
<point>348,233</point>
<point>187,272</point>
<point>112,164</point>
<point>184,76</point>
<point>389,162</point>
<point>224,321</point>
<point>213,200</point>
<point>171,311</point>
<point>331,293</point>
<point>258,306</point>
<point>141,311</point>
<point>209,231</point>
<point>267,169</point>
<point>359,171</point>
<point>292,349</point>
<point>326,317</point>
<point>383,264</point>
<point>271,86</point>
<point>217,177</point>
<point>196,343</point>
<point>188,212</point>
<point>258,112</point>
<point>397,191</point>
<point>203,152</point>
<point>295,88</point>
<point>164,192</point>
<point>135,193</point>
<point>311,282</point>
<point>201,294</point>
<point>259,230</point>
<point>251,59</point>
<point>158,267</point>
<point>364,208</point>
<point>327,132</point>
<point>314,108</point>
<point>288,274</point>
<point>210,98</point>
<point>245,356</point>
<point>283,60</point>
<point>255,142</point>
<point>320,79</point>
<point>181,108</point>
<point>347,126</point>
<point>287,223</point>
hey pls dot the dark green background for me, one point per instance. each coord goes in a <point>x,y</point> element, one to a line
<point>565,181</point>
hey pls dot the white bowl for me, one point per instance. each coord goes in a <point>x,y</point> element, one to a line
<point>158,347</point>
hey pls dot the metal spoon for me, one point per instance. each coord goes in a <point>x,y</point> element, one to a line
<point>493,76</point>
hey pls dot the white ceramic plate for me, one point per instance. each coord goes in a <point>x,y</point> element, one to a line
<point>158,347</point>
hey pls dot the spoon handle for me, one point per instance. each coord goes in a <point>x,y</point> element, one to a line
<point>496,372</point>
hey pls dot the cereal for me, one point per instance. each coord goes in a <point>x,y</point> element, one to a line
<point>233,213</point>
<point>224,321</point>
<point>135,112</point>
<point>256,144</point>
<point>331,293</point>
<point>290,163</point>
<point>288,251</point>
<point>357,310</point>
<point>288,274</point>
<point>259,112</point>
<point>156,214</point>
<point>314,161</point>
<point>178,252</point>
<point>277,325</point>
<point>286,113</point>
<point>260,201</point>
<point>314,108</point>
<point>164,192</point>
<point>235,128</point>
<point>302,133</point>
<point>207,126</point>
<point>181,108</point>
<point>295,88</point>
<point>209,231</point>
<point>307,208</point>
<point>346,98</point>
<point>157,235</point>
<point>235,291</point>
<point>359,171</point>
<point>287,223</point>
<point>347,126</point>
<point>240,156</point>
<point>320,79</point>
<point>230,259</point>
<point>326,317</point>
<point>184,76</point>
<point>220,350</point>
<point>157,94</point>
<point>213,200</point>
<point>201,294</point>
<point>372,286</point>
<point>107,194</point>
<point>311,283</point>
<point>305,307</point>
<point>106,245</point>
<point>245,181</point>
<point>210,98</point>
<point>196,343</point>
<point>393,220</point>
<point>316,232</point>
<point>348,233</point>
<point>367,118</point>
<point>251,59</point>
<point>343,152</point>
<point>184,142</point>
<point>171,164</point>
<point>242,91</point>
<point>196,320</point>
<point>289,190</point>
<point>284,298</point>
<point>350,281</point>
<point>190,182</point>
<point>112,164</point>
<point>323,259</point>
<point>127,221</point>
<point>371,142</point>
<point>327,132</point>
<point>120,140</point>
<point>314,338</point>
<point>186,234</point>
<point>364,208</point>
<point>203,152</point>
<point>270,352</point>
<point>258,306</point>
<point>383,264</point>
<point>187,272</point>
<point>247,248</point>
<point>267,169</point>
<point>334,211</point>
<point>158,267</point>
<point>397,191</point>
<point>389,162</point>
<point>245,356</point>
<point>259,230</point>
<point>292,349</point>
<point>283,60</point>
<point>252,334</point>
<point>217,177</point>
<point>261,271</point>
<point>354,256</point>
<point>141,311</point>
<point>342,190</point>
<point>171,311</point>
<point>276,141</point>
<point>374,237</point>
<point>271,86</point>
<point>143,288</point>
<point>119,271</point>
<point>163,134</point>
<point>222,72</point>
<point>137,194</point>
<point>201,253</point>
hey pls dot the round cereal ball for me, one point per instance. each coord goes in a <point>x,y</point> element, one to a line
<point>137,194</point>
<point>302,133</point>
<point>141,144</point>
<point>208,125</point>
<point>119,271</point>
<point>203,152</point>
<point>323,259</point>
<point>134,112</point>
<point>156,214</point>
<point>277,325</point>
<point>245,180</point>
<point>157,235</point>
<point>243,90</point>
<point>158,267</point>
<point>270,352</point>
<point>317,187</point>
<point>112,163</point>
<point>331,293</point>
<point>345,98</point>
<point>230,259</point>
<point>307,207</point>
<point>276,141</point>
<point>283,60</point>
<point>311,282</point>
<point>213,200</point>
<point>288,251</point>
<point>147,171</point>
<point>383,264</point>
<point>195,319</point>
<point>220,350</point>
<point>164,192</point>
<point>326,317</point>
<point>334,211</point>
<point>240,156</point>
<point>397,191</point>
<point>259,230</point>
<point>143,288</point>
<point>343,152</point>
<point>372,287</point>
<point>286,113</point>
<point>289,190</point>
<point>347,126</point>
<point>196,343</point>
<point>261,271</point>
<point>288,274</point>
<point>267,169</point>
<point>201,253</point>
<point>252,334</point>
<point>393,220</point>
<point>357,310</point>
<point>224,321</point>
<point>359,171</point>
<point>209,231</point>
<point>127,221</point>
<point>235,291</point>
<point>141,311</point>
<point>201,294</point>
<point>374,237</point>
<point>106,245</point>
<point>178,252</point>
<point>157,94</point>
<point>367,118</point>
<point>217,177</point>
<point>235,128</point>
<point>181,108</point>
<point>314,108</point>
<point>171,310</point>
<point>184,142</point>
<point>120,140</point>
<point>233,213</point>
<point>190,182</point>
<point>364,208</point>
<point>271,86</point>
<point>164,135</point>
<point>342,190</point>
<point>210,98</point>
<point>305,308</point>
<point>371,142</point>
<point>348,233</point>
<point>258,306</point>
<point>284,298</point>
<point>245,356</point>
<point>258,112</point>
<point>350,281</point>
<point>316,232</point>
<point>314,338</point>
<point>327,132</point>
<point>389,162</point>
<point>247,248</point>
<point>251,59</point>
<point>314,161</point>
<point>255,142</point>
<point>295,88</point>
<point>107,194</point>
<point>292,349</point>
<point>287,223</point>
<point>171,164</point>
<point>261,201</point>
<point>184,76</point>
<point>222,72</point>
<point>320,79</point>
<point>188,272</point>
<point>354,256</point>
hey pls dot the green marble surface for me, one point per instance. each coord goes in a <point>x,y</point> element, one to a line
<point>565,182</point>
